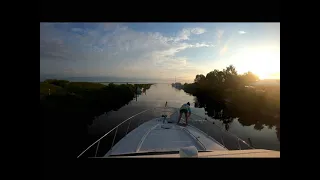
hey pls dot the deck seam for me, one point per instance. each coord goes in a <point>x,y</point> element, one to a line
<point>144,137</point>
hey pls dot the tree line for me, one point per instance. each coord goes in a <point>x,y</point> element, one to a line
<point>67,109</point>
<point>237,95</point>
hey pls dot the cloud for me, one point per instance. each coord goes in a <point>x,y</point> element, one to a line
<point>184,34</point>
<point>198,30</point>
<point>120,52</point>
<point>77,29</point>
<point>242,32</point>
<point>56,49</point>
<point>219,34</point>
<point>110,26</point>
<point>202,45</point>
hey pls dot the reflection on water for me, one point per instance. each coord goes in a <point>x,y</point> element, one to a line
<point>262,129</point>
<point>264,132</point>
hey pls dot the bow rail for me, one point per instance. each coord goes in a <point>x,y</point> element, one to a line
<point>212,131</point>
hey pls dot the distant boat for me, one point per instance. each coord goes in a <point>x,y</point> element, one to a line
<point>177,85</point>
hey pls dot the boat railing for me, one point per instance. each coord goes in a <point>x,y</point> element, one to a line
<point>125,127</point>
<point>112,136</point>
<point>224,137</point>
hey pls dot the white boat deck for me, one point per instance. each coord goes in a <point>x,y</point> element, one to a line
<point>154,136</point>
<point>252,153</point>
<point>165,139</point>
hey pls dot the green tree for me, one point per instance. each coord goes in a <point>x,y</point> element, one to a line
<point>215,79</point>
<point>200,78</point>
<point>231,70</point>
<point>249,78</point>
<point>61,83</point>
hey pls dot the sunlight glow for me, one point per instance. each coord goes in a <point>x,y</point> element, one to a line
<point>262,61</point>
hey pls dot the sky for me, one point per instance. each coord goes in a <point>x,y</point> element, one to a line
<point>158,50</point>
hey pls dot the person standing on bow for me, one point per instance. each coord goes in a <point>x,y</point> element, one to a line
<point>185,108</point>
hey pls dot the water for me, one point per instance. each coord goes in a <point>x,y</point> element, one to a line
<point>262,137</point>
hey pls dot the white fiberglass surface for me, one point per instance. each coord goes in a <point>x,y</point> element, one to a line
<point>155,136</point>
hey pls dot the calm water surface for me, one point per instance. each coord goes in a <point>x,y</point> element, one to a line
<point>262,137</point>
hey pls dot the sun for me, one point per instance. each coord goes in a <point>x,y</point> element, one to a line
<point>270,75</point>
<point>263,61</point>
<point>266,71</point>
<point>262,75</point>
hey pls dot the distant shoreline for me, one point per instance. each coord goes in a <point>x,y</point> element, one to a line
<point>121,82</point>
<point>110,79</point>
<point>134,82</point>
